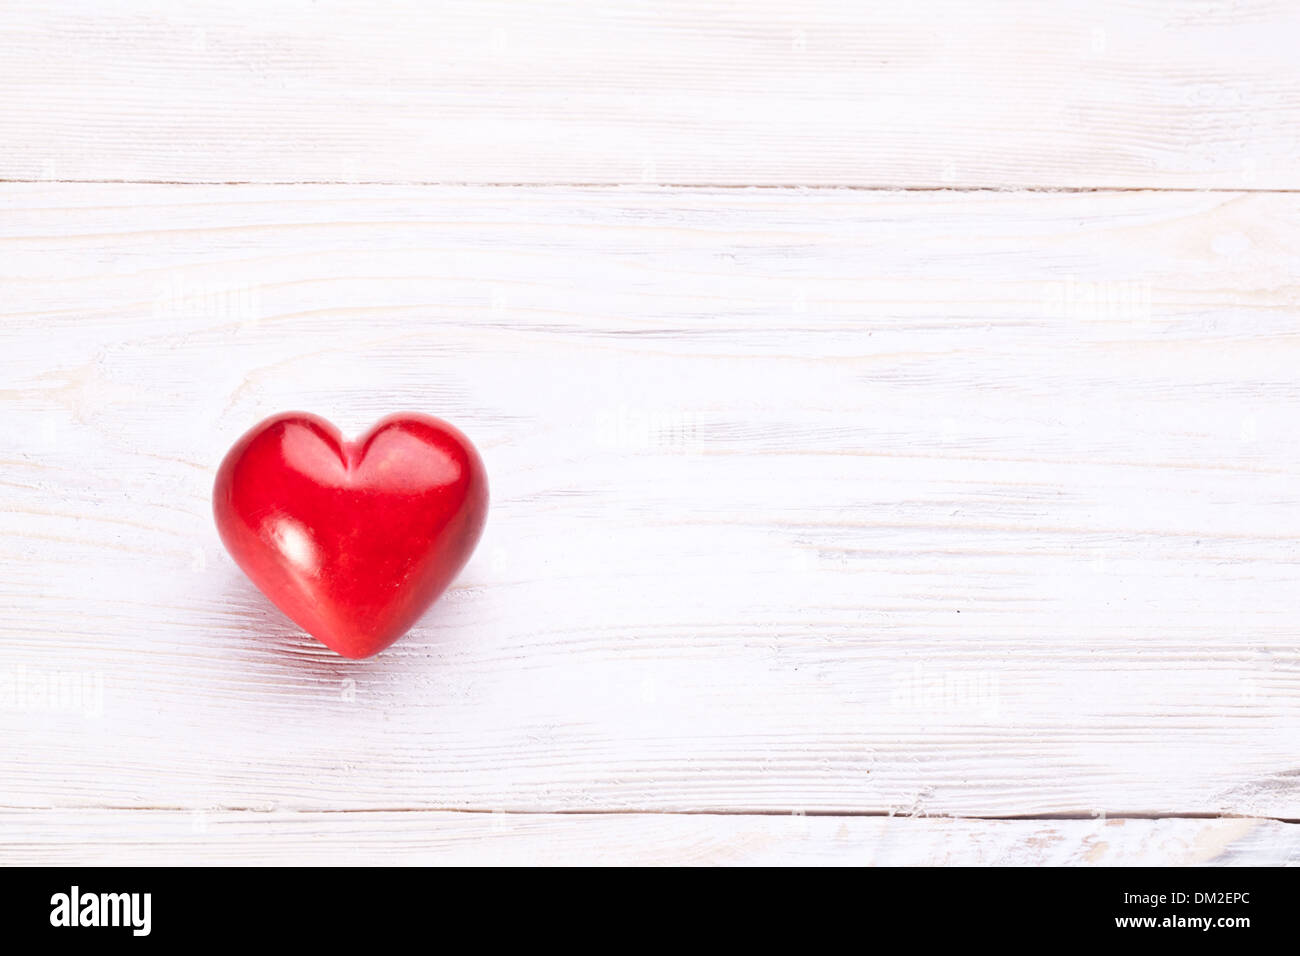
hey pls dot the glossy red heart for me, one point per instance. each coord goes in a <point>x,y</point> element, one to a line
<point>352,540</point>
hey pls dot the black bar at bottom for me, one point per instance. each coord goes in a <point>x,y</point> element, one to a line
<point>350,906</point>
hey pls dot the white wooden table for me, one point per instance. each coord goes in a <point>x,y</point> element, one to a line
<point>891,417</point>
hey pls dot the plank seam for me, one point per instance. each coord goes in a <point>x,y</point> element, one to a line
<point>564,184</point>
<point>1010,818</point>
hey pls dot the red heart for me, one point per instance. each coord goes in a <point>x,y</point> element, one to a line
<point>352,540</point>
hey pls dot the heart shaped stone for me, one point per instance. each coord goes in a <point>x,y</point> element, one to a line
<point>352,540</point>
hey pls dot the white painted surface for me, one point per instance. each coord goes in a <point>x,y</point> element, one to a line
<point>169,837</point>
<point>927,503</point>
<point>1154,93</point>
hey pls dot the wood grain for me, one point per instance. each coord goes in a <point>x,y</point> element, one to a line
<point>154,838</point>
<point>936,504</point>
<point>926,93</point>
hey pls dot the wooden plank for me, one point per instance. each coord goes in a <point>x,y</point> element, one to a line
<point>925,93</point>
<point>168,837</point>
<point>975,504</point>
